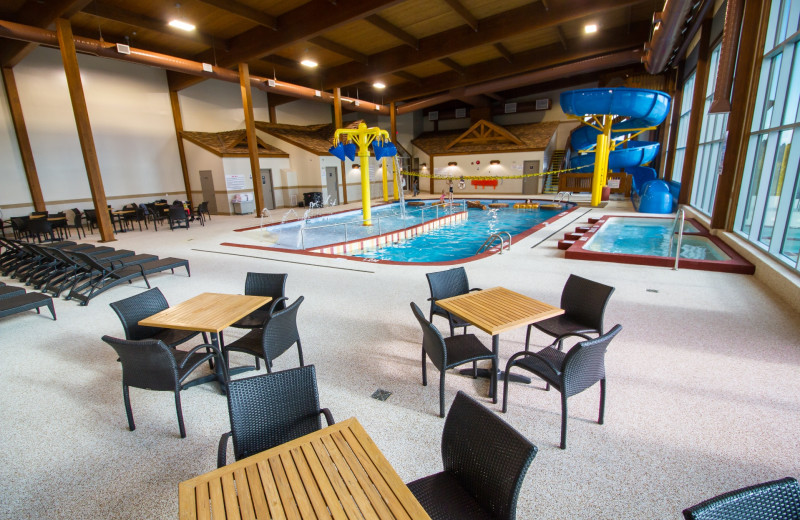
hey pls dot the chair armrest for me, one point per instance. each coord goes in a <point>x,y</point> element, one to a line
<point>275,302</point>
<point>567,335</point>
<point>328,416</point>
<point>209,349</point>
<point>222,450</point>
<point>475,289</point>
<point>526,353</point>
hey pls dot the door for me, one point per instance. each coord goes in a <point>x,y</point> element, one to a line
<point>207,185</point>
<point>531,185</point>
<point>266,188</point>
<point>332,178</point>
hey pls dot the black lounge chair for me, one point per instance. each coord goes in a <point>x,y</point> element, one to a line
<point>156,266</point>
<point>9,291</point>
<point>775,500</point>
<point>26,302</point>
<point>97,278</point>
<point>485,461</point>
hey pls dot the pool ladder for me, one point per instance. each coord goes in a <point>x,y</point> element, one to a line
<point>494,237</point>
<point>677,227</point>
<point>561,195</point>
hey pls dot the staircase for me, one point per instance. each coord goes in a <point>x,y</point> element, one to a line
<point>551,181</point>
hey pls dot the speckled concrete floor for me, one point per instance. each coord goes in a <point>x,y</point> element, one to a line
<point>703,385</point>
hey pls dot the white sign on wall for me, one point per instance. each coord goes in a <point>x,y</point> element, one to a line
<point>235,182</point>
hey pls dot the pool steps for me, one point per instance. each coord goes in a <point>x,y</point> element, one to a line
<point>572,236</point>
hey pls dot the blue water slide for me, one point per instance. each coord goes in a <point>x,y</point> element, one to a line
<point>643,108</point>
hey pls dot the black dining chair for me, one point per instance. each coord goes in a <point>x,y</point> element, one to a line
<point>152,365</point>
<point>178,217</point>
<point>444,284</point>
<point>774,500</point>
<point>263,284</point>
<point>569,372</point>
<point>447,353</point>
<point>485,461</point>
<point>270,409</point>
<point>77,222</point>
<point>584,303</point>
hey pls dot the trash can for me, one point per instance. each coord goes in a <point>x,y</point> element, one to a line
<point>312,196</point>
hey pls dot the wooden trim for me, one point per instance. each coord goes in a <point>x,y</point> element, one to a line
<point>252,141</point>
<point>745,89</point>
<point>178,121</point>
<point>24,143</point>
<point>677,101</point>
<point>696,116</point>
<point>67,45</point>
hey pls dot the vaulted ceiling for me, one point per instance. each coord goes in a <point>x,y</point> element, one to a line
<point>475,51</point>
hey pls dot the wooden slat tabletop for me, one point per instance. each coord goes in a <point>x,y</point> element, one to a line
<point>206,312</point>
<point>336,473</point>
<point>498,309</point>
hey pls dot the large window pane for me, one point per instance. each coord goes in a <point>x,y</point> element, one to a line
<point>751,192</point>
<point>791,241</point>
<point>683,128</point>
<point>778,175</point>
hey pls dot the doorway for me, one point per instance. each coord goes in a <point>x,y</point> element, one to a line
<point>266,188</point>
<point>207,185</point>
<point>331,176</point>
<point>531,185</point>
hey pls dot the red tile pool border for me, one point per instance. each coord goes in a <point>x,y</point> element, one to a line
<point>485,254</point>
<point>736,264</point>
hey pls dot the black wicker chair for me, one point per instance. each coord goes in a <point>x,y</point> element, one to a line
<point>447,353</point>
<point>143,305</point>
<point>569,372</point>
<point>271,409</point>
<point>444,284</point>
<point>584,303</point>
<point>775,500</point>
<point>178,217</point>
<point>263,284</point>
<point>38,227</point>
<point>202,209</point>
<point>152,365</point>
<point>277,335</point>
<point>485,461</point>
<point>91,219</point>
<point>77,222</point>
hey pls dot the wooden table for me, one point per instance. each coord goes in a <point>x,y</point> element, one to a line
<point>337,472</point>
<point>498,310</point>
<point>207,312</point>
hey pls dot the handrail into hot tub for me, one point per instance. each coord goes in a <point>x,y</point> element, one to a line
<point>680,217</point>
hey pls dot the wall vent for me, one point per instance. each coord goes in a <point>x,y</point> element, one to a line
<point>123,49</point>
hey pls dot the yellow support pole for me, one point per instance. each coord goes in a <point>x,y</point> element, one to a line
<point>385,182</point>
<point>366,210</point>
<point>397,180</point>
<point>601,161</point>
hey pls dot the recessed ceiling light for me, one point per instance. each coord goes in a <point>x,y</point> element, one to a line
<point>590,28</point>
<point>309,63</point>
<point>379,85</point>
<point>180,24</point>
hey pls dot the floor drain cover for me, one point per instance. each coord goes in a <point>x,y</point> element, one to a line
<point>381,395</point>
<point>652,290</point>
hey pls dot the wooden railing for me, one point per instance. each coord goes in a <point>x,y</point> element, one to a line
<point>582,182</point>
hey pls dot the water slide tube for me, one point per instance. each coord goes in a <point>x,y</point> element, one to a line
<point>644,109</point>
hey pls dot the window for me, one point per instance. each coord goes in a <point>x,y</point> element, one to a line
<point>768,210</point>
<point>683,128</point>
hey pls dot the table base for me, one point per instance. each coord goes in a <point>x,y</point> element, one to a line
<point>485,373</point>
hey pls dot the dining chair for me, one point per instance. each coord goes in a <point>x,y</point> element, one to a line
<point>77,222</point>
<point>270,409</point>
<point>263,284</point>
<point>584,303</point>
<point>447,353</point>
<point>485,462</point>
<point>38,227</point>
<point>202,209</point>
<point>569,372</point>
<point>444,284</point>
<point>278,335</point>
<point>774,500</point>
<point>178,217</point>
<point>153,365</point>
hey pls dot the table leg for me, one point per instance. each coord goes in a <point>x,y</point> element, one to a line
<point>487,374</point>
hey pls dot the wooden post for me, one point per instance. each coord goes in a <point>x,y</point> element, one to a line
<point>393,136</point>
<point>252,140</point>
<point>178,120</point>
<point>696,117</point>
<point>745,88</point>
<point>430,171</point>
<point>23,141</point>
<point>677,101</point>
<point>337,122</point>
<point>73,73</point>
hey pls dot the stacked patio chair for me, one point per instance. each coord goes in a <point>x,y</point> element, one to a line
<point>21,301</point>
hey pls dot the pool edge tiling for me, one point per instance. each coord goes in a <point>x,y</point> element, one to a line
<point>736,265</point>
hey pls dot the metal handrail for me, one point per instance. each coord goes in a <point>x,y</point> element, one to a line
<point>560,196</point>
<point>304,229</point>
<point>492,238</point>
<point>680,216</point>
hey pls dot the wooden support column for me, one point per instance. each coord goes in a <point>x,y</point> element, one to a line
<point>677,101</point>
<point>252,141</point>
<point>178,120</point>
<point>696,117</point>
<point>745,88</point>
<point>337,122</point>
<point>73,73</point>
<point>393,135</point>
<point>430,171</point>
<point>273,114</point>
<point>25,151</point>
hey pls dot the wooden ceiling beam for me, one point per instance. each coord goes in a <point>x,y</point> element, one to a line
<point>392,29</point>
<point>494,28</point>
<point>562,37</point>
<point>114,13</point>
<point>244,11</point>
<point>535,59</point>
<point>37,14</point>
<point>301,23</point>
<point>453,65</point>
<point>464,13</point>
<point>340,49</point>
<point>505,53</point>
<point>408,77</point>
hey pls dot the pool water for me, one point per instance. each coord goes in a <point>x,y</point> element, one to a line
<point>651,236</point>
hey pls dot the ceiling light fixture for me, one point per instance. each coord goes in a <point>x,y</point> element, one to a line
<point>379,85</point>
<point>494,161</point>
<point>590,28</point>
<point>180,22</point>
<point>309,63</point>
